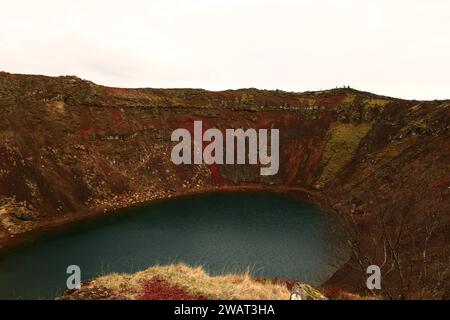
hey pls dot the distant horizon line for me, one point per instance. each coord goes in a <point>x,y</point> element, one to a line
<point>344,87</point>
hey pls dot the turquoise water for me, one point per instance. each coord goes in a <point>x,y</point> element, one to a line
<point>273,235</point>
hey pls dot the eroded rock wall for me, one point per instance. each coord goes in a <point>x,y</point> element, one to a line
<point>69,145</point>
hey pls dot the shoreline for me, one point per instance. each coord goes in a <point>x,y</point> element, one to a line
<point>297,193</point>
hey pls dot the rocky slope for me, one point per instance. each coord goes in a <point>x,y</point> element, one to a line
<point>70,148</point>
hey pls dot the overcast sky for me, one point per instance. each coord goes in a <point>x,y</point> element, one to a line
<point>393,47</point>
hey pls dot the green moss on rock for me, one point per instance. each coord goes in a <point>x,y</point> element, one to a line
<point>344,139</point>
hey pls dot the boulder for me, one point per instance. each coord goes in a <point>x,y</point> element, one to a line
<point>301,291</point>
<point>25,215</point>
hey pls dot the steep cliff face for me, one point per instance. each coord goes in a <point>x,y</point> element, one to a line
<point>69,147</point>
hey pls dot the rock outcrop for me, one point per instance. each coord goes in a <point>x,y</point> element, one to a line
<point>302,291</point>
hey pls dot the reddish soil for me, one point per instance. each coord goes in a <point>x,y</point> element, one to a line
<point>159,289</point>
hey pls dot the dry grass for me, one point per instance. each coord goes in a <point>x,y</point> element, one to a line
<point>196,282</point>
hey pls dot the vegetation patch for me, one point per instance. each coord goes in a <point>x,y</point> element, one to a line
<point>307,101</point>
<point>377,103</point>
<point>190,281</point>
<point>349,99</point>
<point>344,139</point>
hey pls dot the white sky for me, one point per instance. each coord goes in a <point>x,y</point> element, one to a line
<point>393,47</point>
